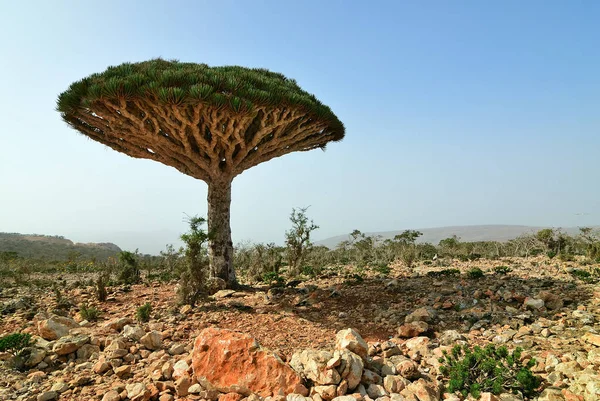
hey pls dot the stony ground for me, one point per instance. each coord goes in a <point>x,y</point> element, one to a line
<point>538,306</point>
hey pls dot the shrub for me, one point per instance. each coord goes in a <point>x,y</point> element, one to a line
<point>15,343</point>
<point>193,281</point>
<point>274,279</point>
<point>382,268</point>
<point>502,269</point>
<point>142,313</point>
<point>444,273</point>
<point>130,272</point>
<point>90,313</point>
<point>488,369</point>
<point>475,273</point>
<point>101,293</point>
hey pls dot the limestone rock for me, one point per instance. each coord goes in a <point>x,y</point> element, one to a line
<point>350,340</point>
<point>152,340</point>
<point>133,332</point>
<point>56,327</point>
<point>234,362</point>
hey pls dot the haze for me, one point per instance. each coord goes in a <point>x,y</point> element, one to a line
<point>457,113</point>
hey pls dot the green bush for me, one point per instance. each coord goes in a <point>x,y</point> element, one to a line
<point>444,273</point>
<point>488,369</point>
<point>130,271</point>
<point>502,269</point>
<point>475,273</point>
<point>15,343</point>
<point>143,312</point>
<point>89,313</point>
<point>273,278</point>
<point>382,268</point>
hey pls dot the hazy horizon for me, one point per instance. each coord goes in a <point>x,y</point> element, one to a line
<point>462,113</point>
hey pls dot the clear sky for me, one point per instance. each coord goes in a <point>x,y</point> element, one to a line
<point>456,113</point>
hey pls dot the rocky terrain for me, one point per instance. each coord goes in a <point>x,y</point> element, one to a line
<point>343,337</point>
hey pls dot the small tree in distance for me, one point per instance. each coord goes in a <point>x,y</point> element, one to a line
<point>297,239</point>
<point>194,278</point>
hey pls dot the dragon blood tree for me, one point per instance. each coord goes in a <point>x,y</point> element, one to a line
<point>211,123</point>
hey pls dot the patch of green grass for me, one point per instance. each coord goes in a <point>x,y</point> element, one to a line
<point>502,270</point>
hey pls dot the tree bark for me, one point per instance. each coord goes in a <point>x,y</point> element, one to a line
<point>220,246</point>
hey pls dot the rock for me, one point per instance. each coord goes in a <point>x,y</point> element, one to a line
<point>350,340</point>
<point>412,329</point>
<point>152,340</point>
<point>569,369</point>
<point>551,300</point>
<point>166,397</point>
<point>314,365</point>
<point>47,396</point>
<point>370,377</point>
<point>405,367</point>
<point>488,397</point>
<point>179,369</point>
<point>87,351</point>
<point>101,367</point>
<point>123,371</point>
<point>34,357</point>
<point>327,393</point>
<point>133,332</point>
<point>177,349</point>
<point>422,390</point>
<point>182,386</point>
<point>223,293</point>
<point>345,398</point>
<point>504,337</point>
<point>185,309</point>
<point>195,388</point>
<point>376,390</point>
<point>137,391</point>
<point>584,317</point>
<point>350,368</point>
<point>230,397</point>
<point>55,327</point>
<point>70,344</point>
<point>451,337</point>
<point>59,387</point>
<point>117,324</point>
<point>112,395</point>
<point>551,394</point>
<point>234,362</point>
<point>394,384</point>
<point>593,339</point>
<point>167,370</point>
<point>426,315</point>
<point>533,303</point>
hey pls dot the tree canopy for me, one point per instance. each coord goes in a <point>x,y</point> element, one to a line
<point>205,121</point>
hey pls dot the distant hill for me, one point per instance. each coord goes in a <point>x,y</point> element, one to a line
<point>466,233</point>
<point>54,247</point>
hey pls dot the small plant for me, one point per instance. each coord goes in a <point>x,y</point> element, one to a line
<point>15,343</point>
<point>89,313</point>
<point>502,270</point>
<point>382,268</point>
<point>101,293</point>
<point>274,279</point>
<point>488,369</point>
<point>475,273</point>
<point>444,273</point>
<point>143,312</point>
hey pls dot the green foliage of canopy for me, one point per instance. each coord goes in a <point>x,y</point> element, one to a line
<point>238,89</point>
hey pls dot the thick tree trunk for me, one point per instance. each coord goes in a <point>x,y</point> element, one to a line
<point>220,245</point>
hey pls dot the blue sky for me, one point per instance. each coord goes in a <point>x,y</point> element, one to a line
<point>457,113</point>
